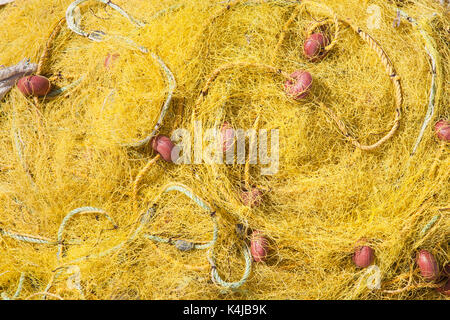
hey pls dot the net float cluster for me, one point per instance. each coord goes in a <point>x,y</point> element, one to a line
<point>314,50</point>
<point>429,269</point>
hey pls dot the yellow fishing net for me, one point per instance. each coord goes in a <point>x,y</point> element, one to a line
<point>354,167</point>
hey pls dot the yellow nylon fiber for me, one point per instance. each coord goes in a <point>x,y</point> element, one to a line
<point>327,197</point>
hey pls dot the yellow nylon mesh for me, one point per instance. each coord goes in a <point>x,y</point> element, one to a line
<point>325,198</point>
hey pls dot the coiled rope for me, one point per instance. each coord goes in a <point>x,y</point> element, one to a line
<point>94,35</point>
<point>187,245</point>
<point>70,215</point>
<point>184,245</point>
<point>335,20</point>
<point>231,285</point>
<point>390,70</point>
<point>181,244</point>
<point>318,24</point>
<point>171,89</point>
<point>436,76</point>
<point>100,36</point>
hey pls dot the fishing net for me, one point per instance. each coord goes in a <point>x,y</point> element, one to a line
<point>89,211</point>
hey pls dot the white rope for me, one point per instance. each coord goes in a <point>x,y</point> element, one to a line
<point>3,2</point>
<point>73,20</point>
<point>10,75</point>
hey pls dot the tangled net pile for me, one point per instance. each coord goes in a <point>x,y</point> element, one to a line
<point>89,211</point>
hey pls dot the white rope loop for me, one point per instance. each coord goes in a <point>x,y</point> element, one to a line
<point>182,244</point>
<point>231,285</point>
<point>171,90</point>
<point>94,35</point>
